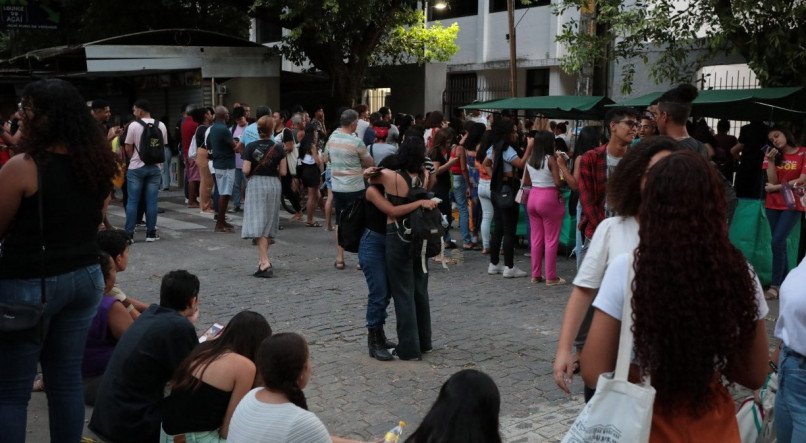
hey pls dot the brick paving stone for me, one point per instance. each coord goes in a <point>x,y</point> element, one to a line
<point>507,328</point>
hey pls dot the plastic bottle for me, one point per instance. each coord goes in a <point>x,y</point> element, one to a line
<point>394,434</point>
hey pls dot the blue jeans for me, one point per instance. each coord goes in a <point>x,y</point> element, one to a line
<point>147,177</point>
<point>790,402</point>
<point>72,300</point>
<point>781,223</point>
<point>236,187</point>
<point>459,189</point>
<point>372,258</point>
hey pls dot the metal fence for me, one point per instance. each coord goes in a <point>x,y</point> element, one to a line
<point>727,77</point>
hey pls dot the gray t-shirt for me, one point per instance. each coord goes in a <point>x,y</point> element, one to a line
<point>380,151</point>
<point>695,145</point>
<point>612,162</point>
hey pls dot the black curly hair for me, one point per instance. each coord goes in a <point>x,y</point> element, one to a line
<point>694,304</point>
<point>624,186</point>
<point>55,114</point>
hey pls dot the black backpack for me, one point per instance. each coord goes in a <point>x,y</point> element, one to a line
<point>422,227</point>
<point>151,148</point>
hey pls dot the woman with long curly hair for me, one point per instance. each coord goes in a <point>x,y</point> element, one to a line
<point>65,161</point>
<point>210,382</point>
<point>698,308</point>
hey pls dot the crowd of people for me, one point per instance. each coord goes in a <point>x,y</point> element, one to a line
<point>637,184</point>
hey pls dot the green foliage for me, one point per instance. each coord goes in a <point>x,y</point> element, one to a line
<point>344,37</point>
<point>418,43</point>
<point>770,35</point>
<point>89,20</point>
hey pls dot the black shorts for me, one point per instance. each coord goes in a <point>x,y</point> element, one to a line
<point>310,176</point>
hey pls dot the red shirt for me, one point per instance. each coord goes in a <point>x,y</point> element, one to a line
<point>790,169</point>
<point>187,130</point>
<point>592,189</point>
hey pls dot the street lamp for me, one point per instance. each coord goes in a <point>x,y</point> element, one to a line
<point>438,5</point>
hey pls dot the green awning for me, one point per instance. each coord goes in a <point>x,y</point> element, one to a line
<point>740,104</point>
<point>561,106</point>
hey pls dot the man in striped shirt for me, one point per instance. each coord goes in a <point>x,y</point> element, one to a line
<point>348,157</point>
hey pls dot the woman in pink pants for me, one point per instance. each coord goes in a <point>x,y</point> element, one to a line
<point>545,207</point>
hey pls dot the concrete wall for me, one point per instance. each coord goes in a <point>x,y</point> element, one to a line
<point>415,89</point>
<point>255,91</point>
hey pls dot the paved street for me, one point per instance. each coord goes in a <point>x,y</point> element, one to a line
<point>504,327</point>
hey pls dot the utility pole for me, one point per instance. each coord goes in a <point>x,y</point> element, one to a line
<point>513,63</point>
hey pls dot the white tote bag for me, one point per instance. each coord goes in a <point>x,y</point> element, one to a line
<point>619,411</point>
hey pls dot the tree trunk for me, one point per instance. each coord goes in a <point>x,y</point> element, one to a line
<point>347,85</point>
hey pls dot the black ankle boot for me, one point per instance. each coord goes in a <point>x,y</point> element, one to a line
<point>376,348</point>
<point>386,342</point>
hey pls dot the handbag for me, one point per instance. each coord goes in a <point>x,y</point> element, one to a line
<point>756,417</point>
<point>619,411</point>
<point>522,197</point>
<point>25,319</point>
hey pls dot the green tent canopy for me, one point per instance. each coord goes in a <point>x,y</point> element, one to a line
<point>560,106</point>
<point>740,104</point>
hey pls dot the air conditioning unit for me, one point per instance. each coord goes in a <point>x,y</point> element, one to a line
<point>221,89</point>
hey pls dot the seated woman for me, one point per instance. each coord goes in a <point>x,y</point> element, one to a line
<point>278,412</point>
<point>466,410</point>
<point>110,322</point>
<point>210,382</point>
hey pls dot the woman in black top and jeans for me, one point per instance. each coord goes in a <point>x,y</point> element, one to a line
<point>408,282</point>
<point>372,258</point>
<point>62,151</point>
<point>264,162</point>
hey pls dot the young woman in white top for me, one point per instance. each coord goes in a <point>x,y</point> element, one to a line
<point>278,412</point>
<point>545,207</point>
<point>614,236</point>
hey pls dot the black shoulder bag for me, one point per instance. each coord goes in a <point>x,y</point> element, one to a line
<point>24,320</point>
<point>501,191</point>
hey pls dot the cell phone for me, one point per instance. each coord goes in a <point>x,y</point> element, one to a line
<point>211,333</point>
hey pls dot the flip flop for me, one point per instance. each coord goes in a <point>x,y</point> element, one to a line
<point>339,265</point>
<point>313,224</point>
<point>771,294</point>
<point>559,281</point>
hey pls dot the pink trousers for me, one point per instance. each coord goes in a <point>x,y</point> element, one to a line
<point>546,210</point>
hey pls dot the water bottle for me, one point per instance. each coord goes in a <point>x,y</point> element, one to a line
<point>394,434</point>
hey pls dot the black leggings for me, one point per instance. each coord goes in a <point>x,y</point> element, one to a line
<point>506,222</point>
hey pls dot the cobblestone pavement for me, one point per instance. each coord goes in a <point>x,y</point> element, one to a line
<point>507,328</point>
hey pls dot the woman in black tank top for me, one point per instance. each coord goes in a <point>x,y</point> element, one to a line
<point>407,283</point>
<point>66,165</point>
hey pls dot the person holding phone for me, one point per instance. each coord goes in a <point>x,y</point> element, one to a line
<point>784,209</point>
<point>212,380</point>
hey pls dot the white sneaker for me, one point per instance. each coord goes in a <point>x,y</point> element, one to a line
<point>513,272</point>
<point>495,269</point>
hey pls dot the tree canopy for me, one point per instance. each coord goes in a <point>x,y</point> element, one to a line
<point>343,38</point>
<point>770,35</point>
<point>84,21</point>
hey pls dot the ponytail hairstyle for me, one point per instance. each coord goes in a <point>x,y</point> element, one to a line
<point>543,146</point>
<point>281,361</point>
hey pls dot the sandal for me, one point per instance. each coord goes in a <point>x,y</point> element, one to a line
<point>313,224</point>
<point>264,273</point>
<point>558,281</point>
<point>537,280</point>
<point>339,265</point>
<point>39,384</point>
<point>771,294</point>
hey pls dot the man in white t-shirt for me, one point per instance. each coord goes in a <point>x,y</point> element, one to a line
<point>141,175</point>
